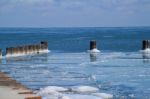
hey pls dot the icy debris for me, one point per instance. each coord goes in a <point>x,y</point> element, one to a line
<point>76,92</point>
<point>84,89</point>
<point>147,50</point>
<point>55,88</point>
<point>95,50</point>
<point>103,95</point>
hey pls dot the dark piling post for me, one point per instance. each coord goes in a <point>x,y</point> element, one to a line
<point>16,50</point>
<point>25,49</point>
<point>145,44</point>
<point>37,48</point>
<point>45,45</point>
<point>34,49</point>
<point>21,50</point>
<point>30,49</point>
<point>7,51</point>
<point>11,50</point>
<point>92,44</point>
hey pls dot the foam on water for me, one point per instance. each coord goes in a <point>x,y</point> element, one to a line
<point>75,92</point>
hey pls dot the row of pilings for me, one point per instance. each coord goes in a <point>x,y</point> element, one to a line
<point>43,47</point>
<point>145,45</point>
<point>26,49</point>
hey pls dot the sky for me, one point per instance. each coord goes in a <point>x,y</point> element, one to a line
<point>74,13</point>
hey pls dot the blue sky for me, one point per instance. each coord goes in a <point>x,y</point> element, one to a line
<point>74,13</point>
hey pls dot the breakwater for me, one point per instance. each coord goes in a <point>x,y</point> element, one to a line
<point>26,50</point>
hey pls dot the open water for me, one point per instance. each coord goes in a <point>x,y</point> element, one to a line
<point>70,72</point>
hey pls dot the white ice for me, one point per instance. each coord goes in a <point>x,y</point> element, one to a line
<point>95,50</point>
<point>75,92</point>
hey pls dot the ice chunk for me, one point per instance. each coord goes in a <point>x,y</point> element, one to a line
<point>84,89</point>
<point>80,96</point>
<point>95,50</point>
<point>56,88</point>
<point>65,97</point>
<point>103,95</point>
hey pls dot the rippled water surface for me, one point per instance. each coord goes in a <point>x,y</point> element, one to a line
<point>120,69</point>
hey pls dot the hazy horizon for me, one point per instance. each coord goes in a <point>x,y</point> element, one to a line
<point>74,13</point>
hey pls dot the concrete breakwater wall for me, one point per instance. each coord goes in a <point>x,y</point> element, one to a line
<point>26,50</point>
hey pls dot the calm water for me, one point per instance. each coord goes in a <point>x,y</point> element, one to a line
<point>120,69</point>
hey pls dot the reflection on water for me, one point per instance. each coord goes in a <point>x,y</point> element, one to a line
<point>37,57</point>
<point>146,57</point>
<point>118,73</point>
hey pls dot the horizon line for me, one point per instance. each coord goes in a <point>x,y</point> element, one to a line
<point>74,27</point>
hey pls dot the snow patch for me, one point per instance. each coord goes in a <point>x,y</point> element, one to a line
<point>85,89</point>
<point>95,50</point>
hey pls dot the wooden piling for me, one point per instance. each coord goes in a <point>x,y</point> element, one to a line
<point>44,45</point>
<point>34,49</point>
<point>37,48</point>
<point>92,44</point>
<point>7,51</point>
<point>11,50</point>
<point>20,50</point>
<point>27,49</point>
<point>30,49</point>
<point>17,51</point>
<point>145,44</point>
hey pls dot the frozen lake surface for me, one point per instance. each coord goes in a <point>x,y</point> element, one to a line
<point>84,75</point>
<point>70,72</point>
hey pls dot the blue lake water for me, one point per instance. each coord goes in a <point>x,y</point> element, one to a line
<point>120,69</point>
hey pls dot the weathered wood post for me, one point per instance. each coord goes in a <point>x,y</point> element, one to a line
<point>34,49</point>
<point>7,51</point>
<point>92,44</point>
<point>14,50</point>
<point>10,51</point>
<point>145,44</point>
<point>44,45</point>
<point>37,48</point>
<point>25,49</point>
<point>17,51</point>
<point>30,49</point>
